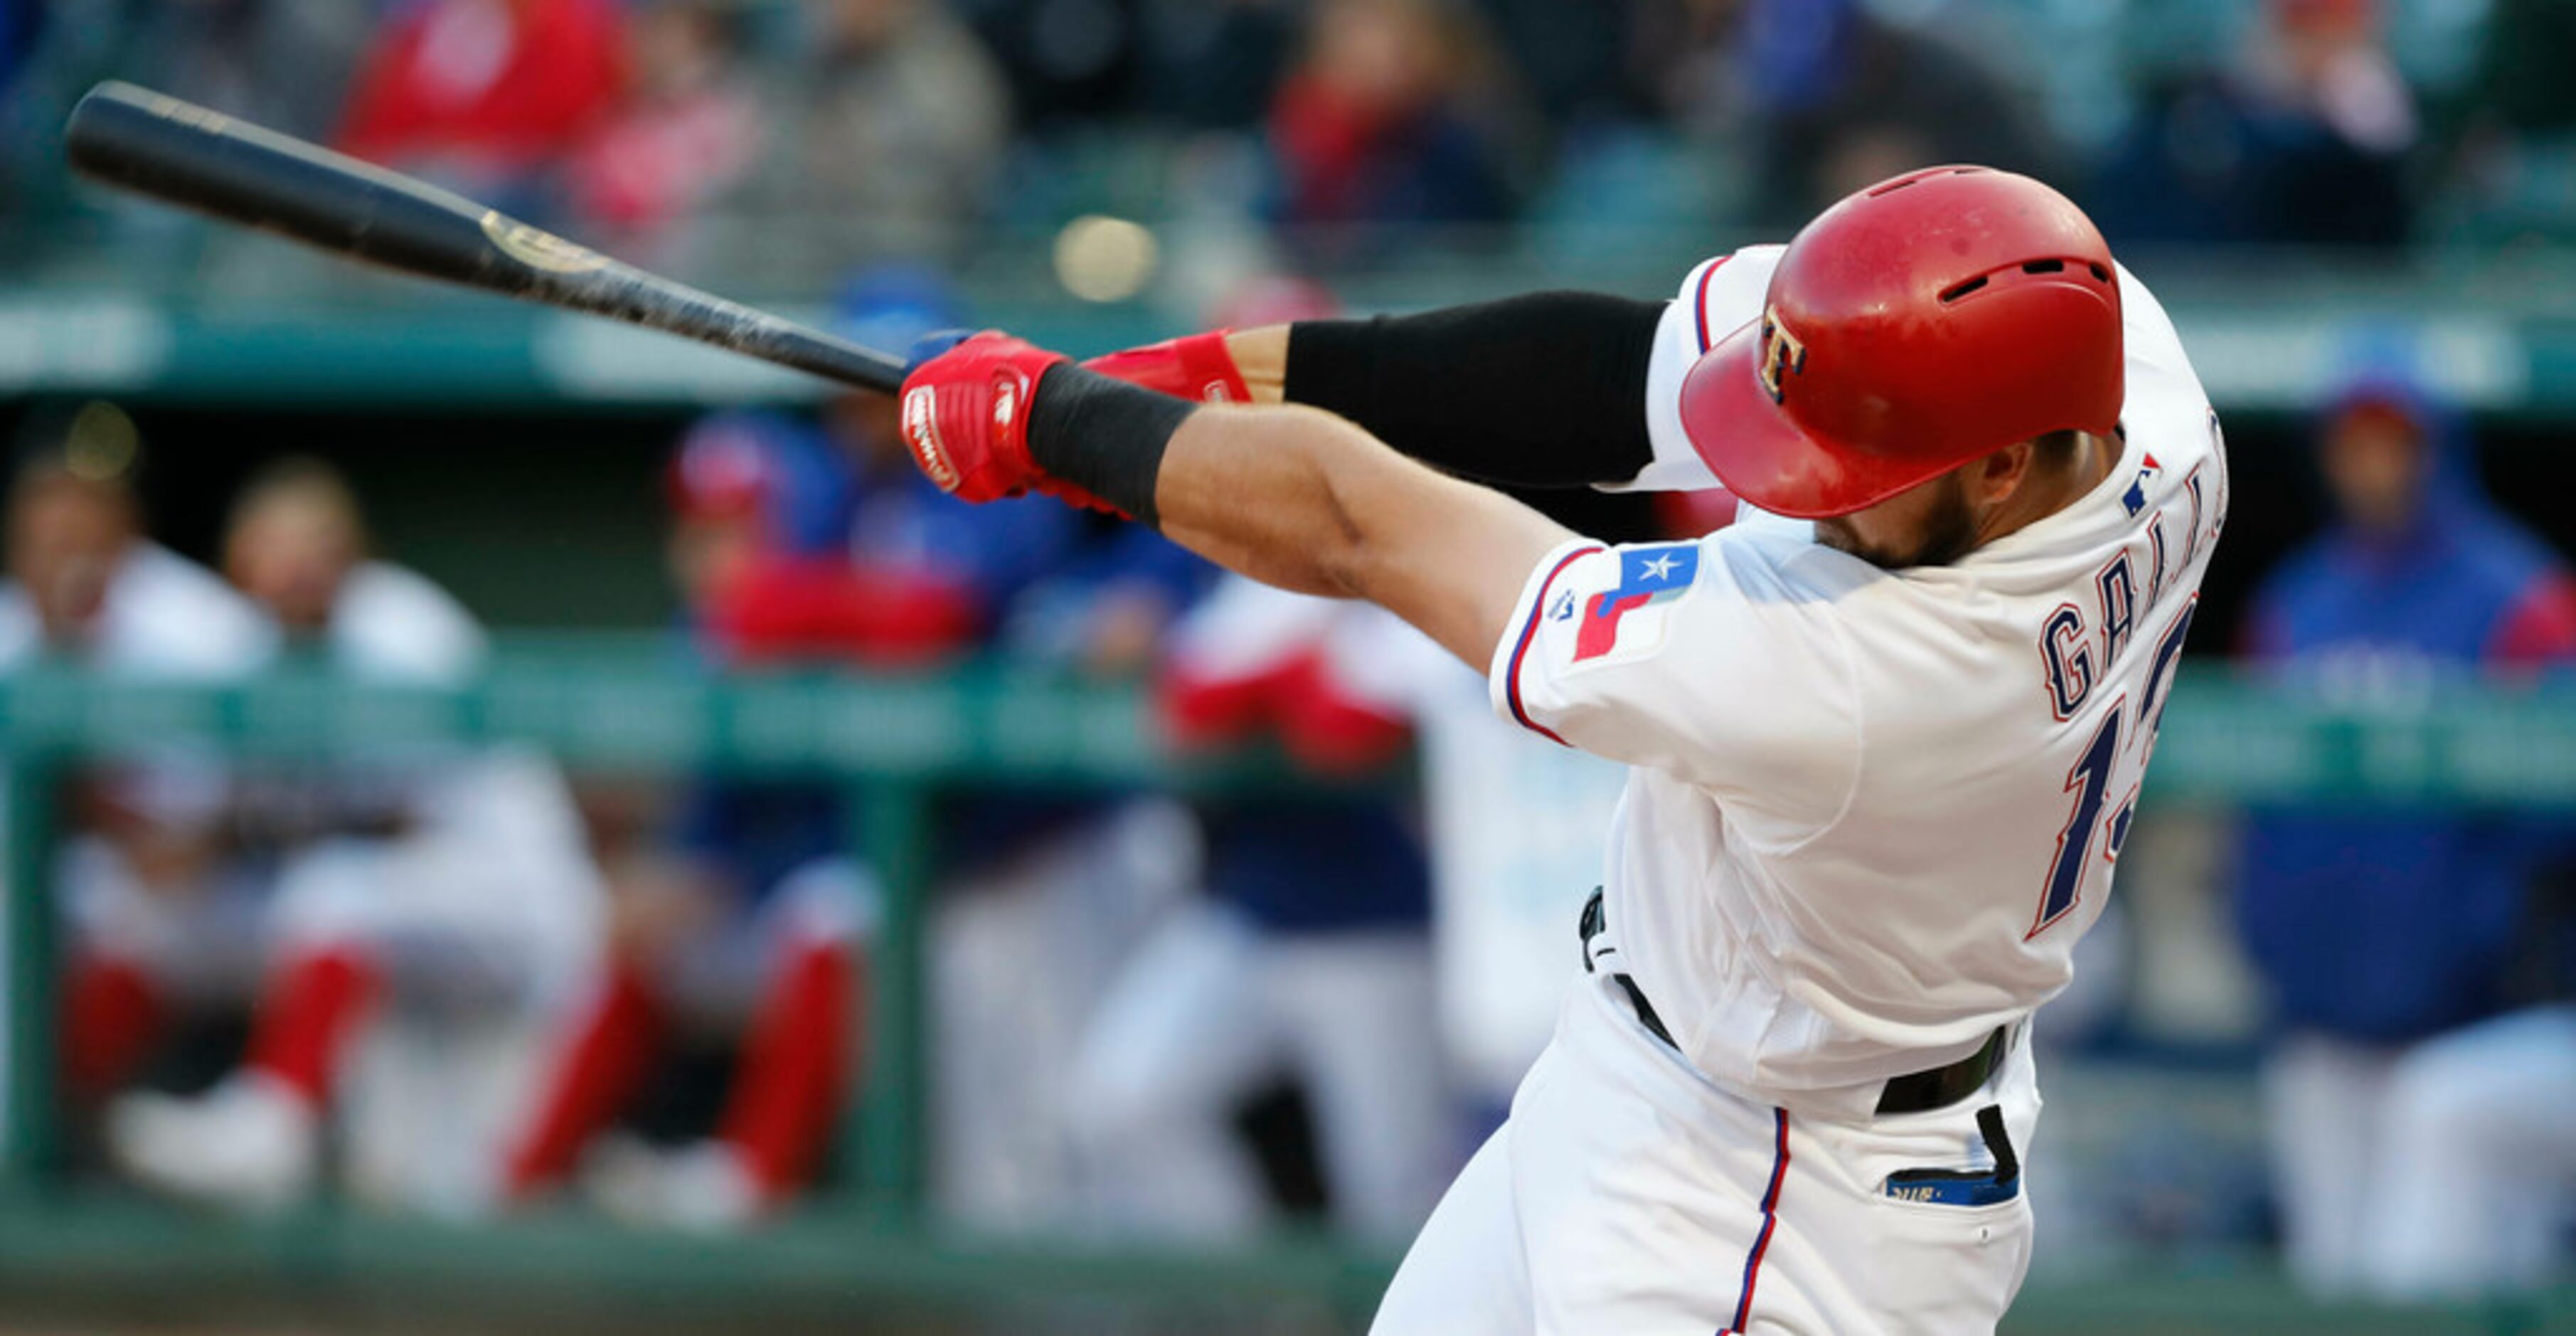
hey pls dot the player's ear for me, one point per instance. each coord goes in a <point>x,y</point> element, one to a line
<point>1997,476</point>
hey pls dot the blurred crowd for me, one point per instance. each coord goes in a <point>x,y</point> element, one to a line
<point>815,134</point>
<point>474,984</point>
<point>2421,968</point>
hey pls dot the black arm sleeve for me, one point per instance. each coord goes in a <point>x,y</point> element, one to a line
<point>1547,390</point>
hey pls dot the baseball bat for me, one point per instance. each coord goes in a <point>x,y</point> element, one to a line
<point>183,154</point>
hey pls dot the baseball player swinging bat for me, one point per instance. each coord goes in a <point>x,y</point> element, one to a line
<point>1885,733</point>
<point>184,154</point>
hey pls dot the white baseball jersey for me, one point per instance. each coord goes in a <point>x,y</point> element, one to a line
<point>1870,811</point>
<point>164,617</point>
<point>390,623</point>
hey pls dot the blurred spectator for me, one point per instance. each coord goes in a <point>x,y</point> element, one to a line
<point>890,127</point>
<point>2412,1132</point>
<point>2304,141</point>
<point>87,586</point>
<point>789,544</point>
<point>1386,119</point>
<point>158,921</point>
<point>1103,612</point>
<point>2516,169</point>
<point>1214,64</point>
<point>298,547</point>
<point>485,94</point>
<point>279,63</point>
<point>850,553</point>
<point>2523,80</point>
<point>449,891</point>
<point>686,131</point>
<point>1834,97</point>
<point>1582,63</point>
<point>1043,900</point>
<point>1309,957</point>
<point>21,23</point>
<point>746,909</point>
<point>1069,61</point>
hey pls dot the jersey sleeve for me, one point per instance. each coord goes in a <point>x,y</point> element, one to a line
<point>1716,298</point>
<point>1705,660</point>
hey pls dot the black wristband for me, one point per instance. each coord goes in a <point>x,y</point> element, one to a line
<point>1104,436</point>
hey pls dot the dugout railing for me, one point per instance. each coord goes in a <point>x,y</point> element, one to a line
<point>898,742</point>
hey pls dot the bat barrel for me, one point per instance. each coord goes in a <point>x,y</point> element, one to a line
<point>202,160</point>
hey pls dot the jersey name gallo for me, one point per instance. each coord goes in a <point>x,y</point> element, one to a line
<point>2076,652</point>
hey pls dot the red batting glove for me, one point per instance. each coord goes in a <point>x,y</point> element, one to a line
<point>966,416</point>
<point>1198,368</point>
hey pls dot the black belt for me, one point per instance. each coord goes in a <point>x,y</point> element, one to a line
<point>1918,1092</point>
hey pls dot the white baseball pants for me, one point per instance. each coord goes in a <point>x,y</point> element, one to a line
<point>1211,1006</point>
<point>1628,1193</point>
<point>2444,1169</point>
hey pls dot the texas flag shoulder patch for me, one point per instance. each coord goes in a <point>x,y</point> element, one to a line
<point>1627,619</point>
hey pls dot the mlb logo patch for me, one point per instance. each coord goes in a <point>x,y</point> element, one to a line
<point>1627,619</point>
<point>2135,499</point>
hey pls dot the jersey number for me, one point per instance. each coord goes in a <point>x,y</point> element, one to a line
<point>2090,781</point>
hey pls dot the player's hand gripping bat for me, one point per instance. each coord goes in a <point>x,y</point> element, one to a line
<point>186,155</point>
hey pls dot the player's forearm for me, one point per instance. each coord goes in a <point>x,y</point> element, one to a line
<point>1304,500</point>
<point>1542,390</point>
<point>1297,498</point>
<point>1271,493</point>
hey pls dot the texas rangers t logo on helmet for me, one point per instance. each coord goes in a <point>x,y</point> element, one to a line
<point>1782,353</point>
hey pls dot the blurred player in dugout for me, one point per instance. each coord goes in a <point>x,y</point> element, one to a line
<point>793,542</point>
<point>2420,1083</point>
<point>741,910</point>
<point>1307,957</point>
<point>446,893</point>
<point>158,921</point>
<point>1304,952</point>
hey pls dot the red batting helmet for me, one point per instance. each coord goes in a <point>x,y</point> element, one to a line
<point>1922,323</point>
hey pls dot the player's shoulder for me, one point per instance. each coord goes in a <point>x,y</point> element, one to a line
<point>2152,347</point>
<point>2165,408</point>
<point>1765,556</point>
<point>1753,262</point>
<point>1722,292</point>
<point>167,615</point>
<point>153,573</point>
<point>1749,589</point>
<point>1718,296</point>
<point>1720,660</point>
<point>395,622</point>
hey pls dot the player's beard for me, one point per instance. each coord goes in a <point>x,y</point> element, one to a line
<point>1949,532</point>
